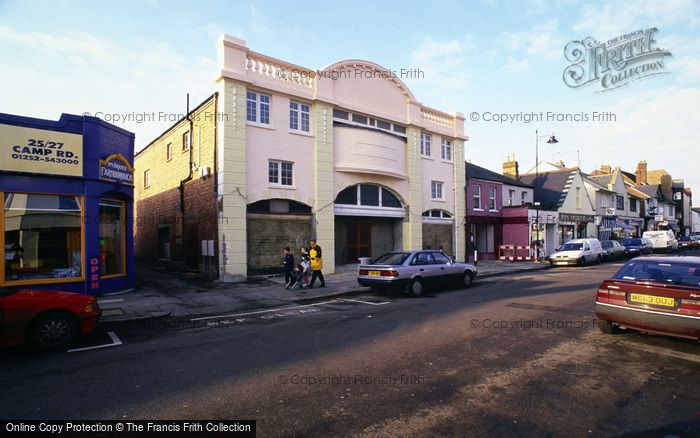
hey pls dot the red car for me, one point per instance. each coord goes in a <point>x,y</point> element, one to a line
<point>652,294</point>
<point>48,320</point>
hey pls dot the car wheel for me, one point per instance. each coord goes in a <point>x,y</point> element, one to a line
<point>53,330</point>
<point>600,260</point>
<point>582,261</point>
<point>467,279</point>
<point>416,287</point>
<point>608,327</point>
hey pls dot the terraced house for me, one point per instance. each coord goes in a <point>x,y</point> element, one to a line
<point>346,154</point>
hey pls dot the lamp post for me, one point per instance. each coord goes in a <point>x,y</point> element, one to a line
<point>551,140</point>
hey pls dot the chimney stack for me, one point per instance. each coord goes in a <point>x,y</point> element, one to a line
<point>510,168</point>
<point>641,173</point>
<point>606,169</point>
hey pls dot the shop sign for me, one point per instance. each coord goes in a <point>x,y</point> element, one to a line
<point>94,273</point>
<point>575,218</point>
<point>116,168</point>
<point>40,151</point>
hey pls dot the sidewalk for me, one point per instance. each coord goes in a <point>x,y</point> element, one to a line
<point>160,293</point>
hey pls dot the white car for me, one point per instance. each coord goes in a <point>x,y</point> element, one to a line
<point>663,240</point>
<point>578,252</point>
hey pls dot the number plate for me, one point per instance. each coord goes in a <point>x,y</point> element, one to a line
<point>653,300</point>
<point>375,273</point>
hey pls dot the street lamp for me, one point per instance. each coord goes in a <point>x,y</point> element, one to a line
<point>552,139</point>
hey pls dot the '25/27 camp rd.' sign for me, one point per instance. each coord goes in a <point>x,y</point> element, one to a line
<point>40,151</point>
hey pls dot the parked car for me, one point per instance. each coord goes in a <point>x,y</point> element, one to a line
<point>663,240</point>
<point>578,252</point>
<point>413,271</point>
<point>612,250</point>
<point>48,320</point>
<point>685,242</point>
<point>637,246</point>
<point>652,294</point>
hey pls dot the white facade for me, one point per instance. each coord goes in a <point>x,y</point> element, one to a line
<point>363,127</point>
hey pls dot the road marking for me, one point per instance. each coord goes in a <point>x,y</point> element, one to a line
<point>115,342</point>
<point>366,302</point>
<point>110,301</point>
<point>288,308</point>
<point>662,351</point>
<point>279,309</point>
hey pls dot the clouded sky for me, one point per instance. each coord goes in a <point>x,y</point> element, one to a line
<point>484,58</point>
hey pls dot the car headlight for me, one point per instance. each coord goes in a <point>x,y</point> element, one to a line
<point>91,308</point>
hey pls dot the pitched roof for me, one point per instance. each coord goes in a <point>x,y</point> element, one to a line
<point>550,187</point>
<point>602,179</point>
<point>653,191</point>
<point>477,172</point>
<point>632,191</point>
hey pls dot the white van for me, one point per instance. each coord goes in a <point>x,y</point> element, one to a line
<point>663,240</point>
<point>578,252</point>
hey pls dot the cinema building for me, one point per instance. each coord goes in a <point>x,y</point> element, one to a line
<point>281,153</point>
<point>67,191</point>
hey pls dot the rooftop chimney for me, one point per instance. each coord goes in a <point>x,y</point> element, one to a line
<point>510,168</point>
<point>606,169</point>
<point>641,173</point>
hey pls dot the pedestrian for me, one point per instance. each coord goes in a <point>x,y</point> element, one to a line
<point>316,256</point>
<point>305,268</point>
<point>288,262</point>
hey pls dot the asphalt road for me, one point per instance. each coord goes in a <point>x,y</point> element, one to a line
<point>511,356</point>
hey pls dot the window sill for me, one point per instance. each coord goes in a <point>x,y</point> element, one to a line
<point>260,125</point>
<point>427,157</point>
<point>280,186</point>
<point>438,199</point>
<point>302,133</point>
<point>446,161</point>
<point>477,209</point>
<point>493,211</point>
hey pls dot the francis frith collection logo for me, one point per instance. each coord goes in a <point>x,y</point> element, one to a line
<point>614,63</point>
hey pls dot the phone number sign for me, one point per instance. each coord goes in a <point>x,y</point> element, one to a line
<point>40,151</point>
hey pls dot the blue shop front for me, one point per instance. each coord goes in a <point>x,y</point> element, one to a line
<point>67,217</point>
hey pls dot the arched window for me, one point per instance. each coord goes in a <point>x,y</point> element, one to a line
<point>279,206</point>
<point>437,214</point>
<point>368,195</point>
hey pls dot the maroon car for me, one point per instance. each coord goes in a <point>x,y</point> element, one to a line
<point>652,294</point>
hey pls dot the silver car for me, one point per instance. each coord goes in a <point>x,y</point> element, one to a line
<point>413,271</point>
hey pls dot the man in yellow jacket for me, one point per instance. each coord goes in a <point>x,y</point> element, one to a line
<point>316,257</point>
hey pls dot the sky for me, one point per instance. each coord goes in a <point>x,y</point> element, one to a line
<point>483,59</point>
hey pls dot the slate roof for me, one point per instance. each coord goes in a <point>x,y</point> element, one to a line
<point>550,187</point>
<point>652,190</point>
<point>477,172</point>
<point>602,180</point>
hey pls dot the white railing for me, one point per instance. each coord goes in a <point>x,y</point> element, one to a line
<point>437,118</point>
<point>280,71</point>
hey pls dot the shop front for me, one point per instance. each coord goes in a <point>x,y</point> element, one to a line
<point>573,226</point>
<point>67,190</point>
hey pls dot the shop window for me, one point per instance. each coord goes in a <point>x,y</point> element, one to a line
<point>42,237</point>
<point>112,238</point>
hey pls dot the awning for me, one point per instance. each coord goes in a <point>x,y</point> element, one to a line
<point>623,226</point>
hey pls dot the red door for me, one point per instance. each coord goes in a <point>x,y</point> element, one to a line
<point>359,240</point>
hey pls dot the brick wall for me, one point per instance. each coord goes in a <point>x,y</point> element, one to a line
<point>158,205</point>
